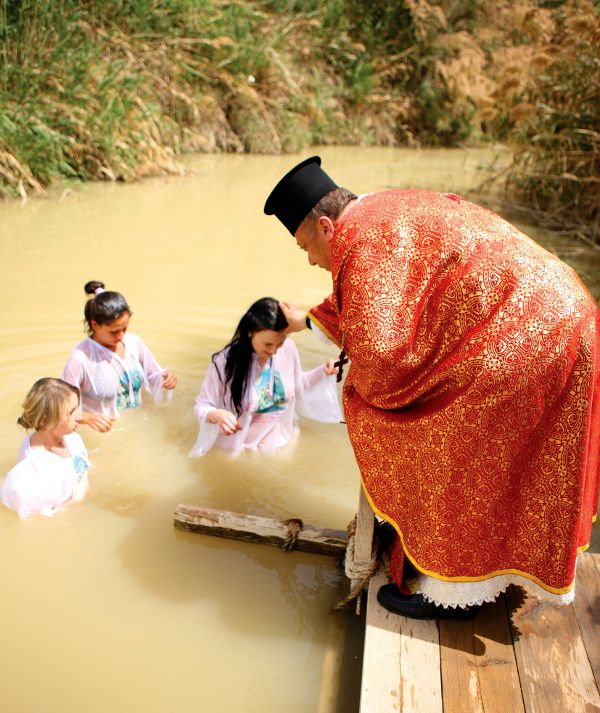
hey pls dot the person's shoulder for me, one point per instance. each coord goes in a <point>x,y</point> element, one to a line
<point>131,338</point>
<point>81,349</point>
<point>219,358</point>
<point>287,353</point>
<point>215,369</point>
<point>289,347</point>
<point>74,443</point>
<point>134,344</point>
<point>385,208</point>
<point>400,195</point>
<point>25,447</point>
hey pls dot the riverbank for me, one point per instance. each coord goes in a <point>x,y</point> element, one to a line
<point>99,91</point>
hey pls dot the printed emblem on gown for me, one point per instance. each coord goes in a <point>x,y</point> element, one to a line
<point>81,465</point>
<point>129,397</point>
<point>270,392</point>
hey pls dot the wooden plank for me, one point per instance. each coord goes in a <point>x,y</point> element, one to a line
<point>401,661</point>
<point>251,528</point>
<point>363,538</point>
<point>380,686</point>
<point>365,525</point>
<point>479,670</point>
<point>460,682</point>
<point>587,607</point>
<point>554,669</point>
<point>421,682</point>
<point>499,684</point>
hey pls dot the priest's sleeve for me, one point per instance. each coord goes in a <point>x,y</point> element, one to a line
<point>325,317</point>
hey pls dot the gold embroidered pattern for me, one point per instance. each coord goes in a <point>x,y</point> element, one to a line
<point>473,395</point>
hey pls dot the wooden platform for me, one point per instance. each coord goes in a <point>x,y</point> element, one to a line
<point>516,656</point>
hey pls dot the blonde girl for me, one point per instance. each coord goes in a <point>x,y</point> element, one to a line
<point>53,461</point>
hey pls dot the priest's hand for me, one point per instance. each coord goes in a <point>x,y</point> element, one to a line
<point>295,317</point>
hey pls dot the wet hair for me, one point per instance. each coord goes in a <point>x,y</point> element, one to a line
<point>104,306</point>
<point>263,314</point>
<point>331,205</point>
<point>45,405</point>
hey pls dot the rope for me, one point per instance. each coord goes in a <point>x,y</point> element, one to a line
<point>294,525</point>
<point>362,572</point>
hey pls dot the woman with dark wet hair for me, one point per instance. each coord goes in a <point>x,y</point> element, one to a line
<point>111,365</point>
<point>255,387</point>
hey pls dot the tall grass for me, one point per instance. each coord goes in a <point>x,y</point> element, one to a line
<point>557,157</point>
<point>117,90</point>
<point>92,89</point>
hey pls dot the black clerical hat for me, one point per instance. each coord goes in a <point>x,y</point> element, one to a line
<point>298,193</point>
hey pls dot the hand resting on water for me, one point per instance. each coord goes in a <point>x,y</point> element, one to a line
<point>227,422</point>
<point>169,380</point>
<point>96,421</point>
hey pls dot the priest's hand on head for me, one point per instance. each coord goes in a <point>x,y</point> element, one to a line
<point>295,316</point>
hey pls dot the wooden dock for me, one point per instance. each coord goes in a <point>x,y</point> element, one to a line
<point>516,656</point>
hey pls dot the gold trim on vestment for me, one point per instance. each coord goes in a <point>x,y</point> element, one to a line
<point>324,329</point>
<point>436,575</point>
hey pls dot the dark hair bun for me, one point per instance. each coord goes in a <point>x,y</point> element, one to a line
<point>104,307</point>
<point>91,287</point>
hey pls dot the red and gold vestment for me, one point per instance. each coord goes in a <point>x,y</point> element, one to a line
<point>473,394</point>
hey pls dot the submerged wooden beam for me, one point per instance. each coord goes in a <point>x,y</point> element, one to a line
<point>251,528</point>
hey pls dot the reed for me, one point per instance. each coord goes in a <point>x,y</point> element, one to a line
<point>557,156</point>
<point>117,90</point>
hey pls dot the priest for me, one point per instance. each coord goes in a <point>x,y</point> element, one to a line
<point>472,397</point>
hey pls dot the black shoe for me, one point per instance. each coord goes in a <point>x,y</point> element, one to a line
<point>415,606</point>
<point>387,533</point>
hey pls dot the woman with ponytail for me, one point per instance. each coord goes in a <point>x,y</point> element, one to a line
<point>111,365</point>
<point>255,387</point>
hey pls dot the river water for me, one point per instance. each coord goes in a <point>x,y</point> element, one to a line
<point>106,607</point>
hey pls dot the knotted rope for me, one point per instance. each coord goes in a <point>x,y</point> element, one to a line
<point>294,525</point>
<point>358,572</point>
<point>362,572</point>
